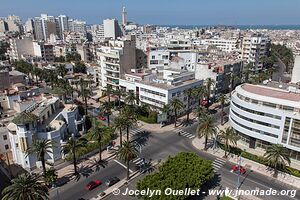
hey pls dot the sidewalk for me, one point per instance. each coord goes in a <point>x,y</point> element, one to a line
<point>249,164</point>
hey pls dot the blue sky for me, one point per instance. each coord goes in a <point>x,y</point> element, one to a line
<point>176,12</point>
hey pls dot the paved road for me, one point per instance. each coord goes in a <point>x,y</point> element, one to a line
<point>159,147</point>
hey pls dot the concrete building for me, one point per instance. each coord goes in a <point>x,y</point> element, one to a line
<point>158,59</point>
<point>47,119</point>
<point>116,58</point>
<point>62,25</point>
<point>226,45</point>
<point>156,90</point>
<point>124,17</point>
<point>296,70</point>
<point>254,46</point>
<point>112,29</point>
<point>3,26</point>
<point>267,114</point>
<point>77,26</point>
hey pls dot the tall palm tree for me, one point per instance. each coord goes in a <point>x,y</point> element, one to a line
<point>127,153</point>
<point>26,187</point>
<point>209,83</point>
<point>206,128</point>
<point>166,109</point>
<point>118,93</point>
<point>190,93</point>
<point>222,99</point>
<point>228,136</point>
<point>120,122</point>
<point>200,92</point>
<point>102,135</point>
<point>40,148</point>
<point>72,146</point>
<point>176,105</point>
<point>130,98</point>
<point>200,112</point>
<point>107,91</point>
<point>277,156</point>
<point>105,109</point>
<point>84,92</point>
<point>130,115</point>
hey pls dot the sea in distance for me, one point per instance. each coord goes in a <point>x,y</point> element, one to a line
<point>242,27</point>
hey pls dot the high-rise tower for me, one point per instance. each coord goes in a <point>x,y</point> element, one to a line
<point>124,17</point>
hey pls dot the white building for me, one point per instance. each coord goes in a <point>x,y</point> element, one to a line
<point>112,29</point>
<point>227,45</point>
<point>158,59</point>
<point>157,91</point>
<point>267,114</point>
<point>46,119</point>
<point>116,58</point>
<point>296,70</point>
<point>254,47</point>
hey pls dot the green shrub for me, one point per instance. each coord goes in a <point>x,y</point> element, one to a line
<point>226,198</point>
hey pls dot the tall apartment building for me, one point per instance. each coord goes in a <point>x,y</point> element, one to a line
<point>61,25</point>
<point>124,17</point>
<point>44,26</point>
<point>267,114</point>
<point>112,29</point>
<point>116,58</point>
<point>253,47</point>
<point>77,26</point>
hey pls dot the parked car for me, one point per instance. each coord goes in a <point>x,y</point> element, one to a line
<point>235,169</point>
<point>112,181</point>
<point>101,118</point>
<point>93,184</point>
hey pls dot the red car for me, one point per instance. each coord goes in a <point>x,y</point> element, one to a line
<point>93,184</point>
<point>235,168</point>
<point>102,118</point>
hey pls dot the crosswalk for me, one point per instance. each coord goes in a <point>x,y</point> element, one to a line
<point>135,131</point>
<point>138,161</point>
<point>218,163</point>
<point>184,133</point>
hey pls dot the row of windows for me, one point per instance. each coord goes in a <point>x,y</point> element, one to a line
<point>153,92</point>
<point>152,100</point>
<point>256,112</point>
<point>255,121</point>
<point>268,104</point>
<point>255,130</point>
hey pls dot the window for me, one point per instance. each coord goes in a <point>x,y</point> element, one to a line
<point>6,147</point>
<point>4,137</point>
<point>153,57</point>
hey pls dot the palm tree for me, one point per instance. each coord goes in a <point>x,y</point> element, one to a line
<point>176,105</point>
<point>228,136</point>
<point>277,157</point>
<point>200,92</point>
<point>166,109</point>
<point>130,115</point>
<point>40,148</point>
<point>26,187</point>
<point>209,83</point>
<point>127,153</point>
<point>102,135</point>
<point>118,93</point>
<point>120,123</point>
<point>234,79</point>
<point>105,108</point>
<point>130,98</point>
<point>190,93</point>
<point>222,100</point>
<point>206,128</point>
<point>107,91</point>
<point>84,92</point>
<point>200,112</point>
<point>72,146</point>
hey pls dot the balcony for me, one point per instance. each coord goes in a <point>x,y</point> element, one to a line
<point>113,69</point>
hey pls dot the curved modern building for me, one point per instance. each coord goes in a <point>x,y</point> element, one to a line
<point>267,114</point>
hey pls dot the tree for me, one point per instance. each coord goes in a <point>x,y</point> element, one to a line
<point>200,93</point>
<point>105,109</point>
<point>51,176</point>
<point>102,135</point>
<point>118,93</point>
<point>166,109</point>
<point>61,70</point>
<point>234,80</point>
<point>107,91</point>
<point>209,84</point>
<point>26,187</point>
<point>185,170</point>
<point>120,122</point>
<point>72,146</point>
<point>222,100</point>
<point>176,105</point>
<point>190,93</point>
<point>74,56</point>
<point>277,157</point>
<point>130,115</point>
<point>206,128</point>
<point>228,136</point>
<point>130,98</point>
<point>127,153</point>
<point>84,92</point>
<point>40,148</point>
<point>200,112</point>
<point>79,68</point>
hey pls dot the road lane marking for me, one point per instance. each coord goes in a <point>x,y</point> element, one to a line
<point>122,165</point>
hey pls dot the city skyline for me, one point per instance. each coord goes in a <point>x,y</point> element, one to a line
<point>178,12</point>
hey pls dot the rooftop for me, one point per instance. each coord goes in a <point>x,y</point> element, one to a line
<point>268,91</point>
